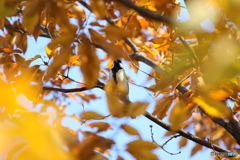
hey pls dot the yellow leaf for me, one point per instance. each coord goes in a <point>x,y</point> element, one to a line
<point>91,115</point>
<point>177,115</point>
<point>48,51</point>
<point>213,107</point>
<point>90,63</point>
<point>162,106</point>
<point>130,130</point>
<point>140,149</point>
<point>58,61</point>
<point>141,144</point>
<point>136,109</point>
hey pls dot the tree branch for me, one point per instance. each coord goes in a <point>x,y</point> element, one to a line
<point>98,85</point>
<point>186,134</point>
<point>146,12</point>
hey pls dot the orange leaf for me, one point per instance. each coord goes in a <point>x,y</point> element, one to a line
<point>219,94</point>
<point>177,115</point>
<point>190,36</point>
<point>195,149</point>
<point>113,50</point>
<point>114,32</point>
<point>162,106</point>
<point>9,50</point>
<point>74,60</point>
<point>183,142</point>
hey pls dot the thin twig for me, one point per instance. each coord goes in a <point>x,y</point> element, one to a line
<point>162,146</point>
<point>190,51</point>
<point>186,134</point>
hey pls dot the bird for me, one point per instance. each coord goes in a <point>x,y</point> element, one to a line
<point>118,74</point>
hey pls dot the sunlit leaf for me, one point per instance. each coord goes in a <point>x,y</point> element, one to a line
<point>177,115</point>
<point>213,107</point>
<point>74,60</point>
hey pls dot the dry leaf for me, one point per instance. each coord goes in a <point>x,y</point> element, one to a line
<point>57,63</point>
<point>136,109</point>
<point>89,62</point>
<point>162,106</point>
<point>90,115</point>
<point>102,126</point>
<point>130,130</point>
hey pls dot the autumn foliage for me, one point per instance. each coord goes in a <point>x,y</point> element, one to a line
<point>193,82</point>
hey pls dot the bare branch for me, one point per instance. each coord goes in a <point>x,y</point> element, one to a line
<point>98,85</point>
<point>164,143</point>
<point>187,134</point>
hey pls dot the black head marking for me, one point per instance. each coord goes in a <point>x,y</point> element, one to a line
<point>116,67</point>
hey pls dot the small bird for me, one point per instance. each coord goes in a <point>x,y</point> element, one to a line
<point>119,76</point>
